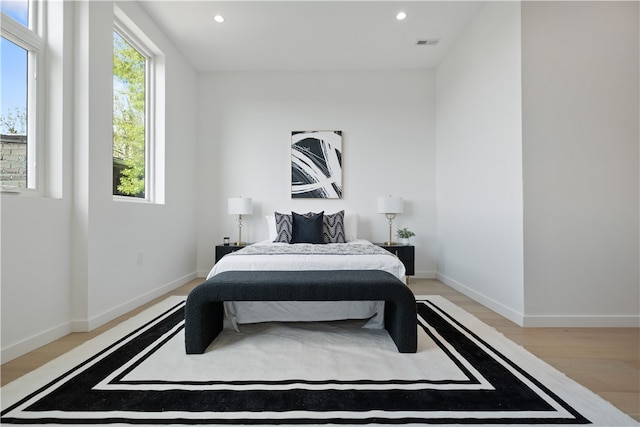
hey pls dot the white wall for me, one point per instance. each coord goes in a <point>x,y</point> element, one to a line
<point>117,231</point>
<point>35,273</point>
<point>72,262</point>
<point>387,119</point>
<point>35,231</point>
<point>580,142</point>
<point>479,158</point>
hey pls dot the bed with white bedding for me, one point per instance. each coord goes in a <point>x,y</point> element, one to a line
<point>354,255</point>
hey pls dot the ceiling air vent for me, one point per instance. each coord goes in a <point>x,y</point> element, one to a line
<point>428,42</point>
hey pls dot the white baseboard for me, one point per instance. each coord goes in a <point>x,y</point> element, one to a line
<point>101,319</point>
<point>545,321</point>
<point>18,349</point>
<point>425,275</point>
<point>490,303</point>
<point>593,321</point>
<point>25,346</point>
<point>203,273</point>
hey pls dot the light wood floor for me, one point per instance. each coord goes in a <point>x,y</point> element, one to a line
<point>605,360</point>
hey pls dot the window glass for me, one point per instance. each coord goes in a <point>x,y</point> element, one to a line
<point>13,115</point>
<point>129,119</point>
<point>17,9</point>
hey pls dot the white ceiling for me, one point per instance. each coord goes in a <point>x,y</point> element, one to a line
<point>311,35</point>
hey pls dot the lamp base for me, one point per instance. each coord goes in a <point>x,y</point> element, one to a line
<point>239,243</point>
<point>390,217</point>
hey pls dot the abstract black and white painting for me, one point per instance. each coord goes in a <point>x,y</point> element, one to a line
<point>316,164</point>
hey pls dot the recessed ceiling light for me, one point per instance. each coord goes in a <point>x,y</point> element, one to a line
<point>400,16</point>
<point>218,18</point>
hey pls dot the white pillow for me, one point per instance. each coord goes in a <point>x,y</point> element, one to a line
<point>351,226</point>
<point>271,226</point>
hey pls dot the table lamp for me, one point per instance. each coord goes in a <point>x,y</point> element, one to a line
<point>240,206</point>
<point>390,206</point>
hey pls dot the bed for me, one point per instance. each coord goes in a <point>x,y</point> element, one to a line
<point>353,254</point>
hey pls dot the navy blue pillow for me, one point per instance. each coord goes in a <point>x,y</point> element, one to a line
<point>307,228</point>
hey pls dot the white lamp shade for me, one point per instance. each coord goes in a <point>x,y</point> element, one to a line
<point>240,206</point>
<point>390,204</point>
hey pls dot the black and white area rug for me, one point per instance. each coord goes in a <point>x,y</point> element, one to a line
<point>330,373</point>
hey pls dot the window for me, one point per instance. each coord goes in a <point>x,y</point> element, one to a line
<point>130,119</point>
<point>21,48</point>
<point>138,114</point>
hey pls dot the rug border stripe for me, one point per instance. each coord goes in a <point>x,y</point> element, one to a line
<point>289,417</point>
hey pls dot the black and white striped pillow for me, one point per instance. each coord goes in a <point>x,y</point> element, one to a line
<point>284,228</point>
<point>333,228</point>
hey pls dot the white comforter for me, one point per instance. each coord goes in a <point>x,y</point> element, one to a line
<point>355,255</point>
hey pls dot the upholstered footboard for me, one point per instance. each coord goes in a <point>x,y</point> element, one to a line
<point>205,312</point>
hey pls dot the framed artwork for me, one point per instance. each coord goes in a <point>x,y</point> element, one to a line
<point>316,164</point>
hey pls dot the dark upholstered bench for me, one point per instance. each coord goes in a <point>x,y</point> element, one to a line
<point>204,310</point>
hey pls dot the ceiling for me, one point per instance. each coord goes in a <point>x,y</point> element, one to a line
<point>311,35</point>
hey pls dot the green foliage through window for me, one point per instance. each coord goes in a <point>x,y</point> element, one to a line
<point>129,103</point>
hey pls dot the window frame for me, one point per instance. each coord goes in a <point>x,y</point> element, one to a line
<point>133,35</point>
<point>32,39</point>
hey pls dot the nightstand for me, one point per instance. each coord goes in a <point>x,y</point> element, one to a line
<point>222,250</point>
<point>406,253</point>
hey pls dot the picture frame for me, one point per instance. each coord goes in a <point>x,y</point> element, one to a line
<point>316,164</point>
